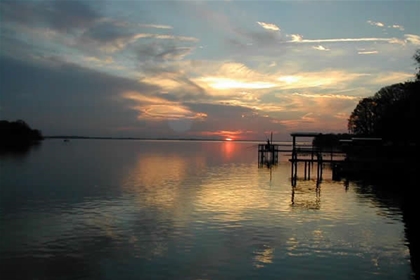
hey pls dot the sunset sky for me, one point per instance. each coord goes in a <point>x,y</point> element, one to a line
<point>199,69</point>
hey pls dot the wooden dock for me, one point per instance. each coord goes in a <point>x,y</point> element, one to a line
<point>313,155</point>
<point>309,155</point>
<point>269,154</point>
<point>356,156</point>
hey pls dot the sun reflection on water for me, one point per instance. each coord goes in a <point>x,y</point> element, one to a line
<point>263,256</point>
<point>155,180</point>
<point>229,149</point>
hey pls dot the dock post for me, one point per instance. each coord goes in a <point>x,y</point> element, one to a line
<point>309,171</point>
<point>319,166</point>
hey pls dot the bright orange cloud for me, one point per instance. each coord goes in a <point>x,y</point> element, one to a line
<point>150,107</point>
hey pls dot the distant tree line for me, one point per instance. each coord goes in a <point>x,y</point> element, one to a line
<point>18,133</point>
<point>389,114</point>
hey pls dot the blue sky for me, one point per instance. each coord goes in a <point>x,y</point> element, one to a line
<point>199,69</point>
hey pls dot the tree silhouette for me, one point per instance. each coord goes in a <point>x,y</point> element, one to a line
<point>363,118</point>
<point>18,134</point>
<point>389,112</point>
<point>416,57</point>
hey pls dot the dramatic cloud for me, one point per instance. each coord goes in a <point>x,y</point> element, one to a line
<point>268,26</point>
<point>112,40</point>
<point>195,69</point>
<point>53,91</point>
<point>153,107</point>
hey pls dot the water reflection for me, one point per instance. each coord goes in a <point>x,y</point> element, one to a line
<point>239,193</point>
<point>155,180</point>
<point>391,197</point>
<point>308,197</point>
<point>263,256</point>
<point>229,149</point>
<point>174,210</point>
<point>18,152</point>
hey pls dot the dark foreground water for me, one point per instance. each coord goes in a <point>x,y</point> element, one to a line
<point>121,209</point>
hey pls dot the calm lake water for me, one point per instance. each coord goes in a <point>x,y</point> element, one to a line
<point>128,209</point>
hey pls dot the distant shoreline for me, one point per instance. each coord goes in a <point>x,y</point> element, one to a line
<point>147,139</point>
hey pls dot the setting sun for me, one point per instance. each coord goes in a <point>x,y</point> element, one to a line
<point>228,139</point>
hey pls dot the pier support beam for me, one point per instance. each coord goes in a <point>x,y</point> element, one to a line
<point>268,154</point>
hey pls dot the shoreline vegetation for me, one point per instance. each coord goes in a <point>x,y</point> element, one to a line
<point>17,135</point>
